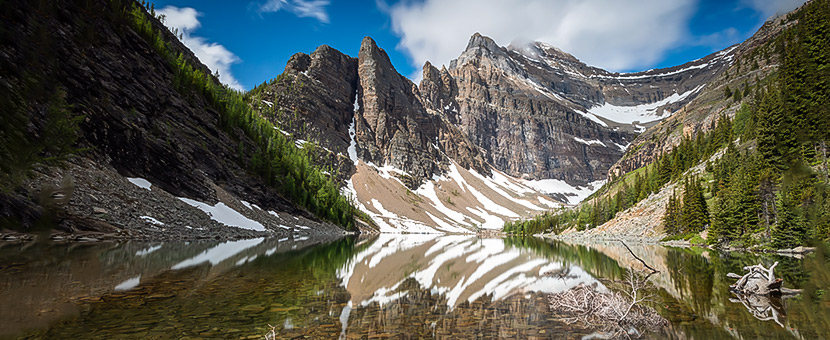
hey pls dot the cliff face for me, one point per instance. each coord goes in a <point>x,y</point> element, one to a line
<point>392,127</point>
<point>525,128</point>
<point>541,113</point>
<point>314,100</point>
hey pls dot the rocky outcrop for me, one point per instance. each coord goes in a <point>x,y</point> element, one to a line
<point>396,124</point>
<point>314,100</point>
<point>392,127</point>
<point>524,129</point>
<point>516,113</point>
<point>530,107</point>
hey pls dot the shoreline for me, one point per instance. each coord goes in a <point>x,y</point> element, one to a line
<point>796,251</point>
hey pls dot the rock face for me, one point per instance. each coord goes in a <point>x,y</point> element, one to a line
<point>748,62</point>
<point>530,111</point>
<point>541,113</point>
<point>314,99</point>
<point>525,129</point>
<point>392,127</point>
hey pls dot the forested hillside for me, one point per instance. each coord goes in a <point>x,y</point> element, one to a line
<point>104,83</point>
<point>763,177</point>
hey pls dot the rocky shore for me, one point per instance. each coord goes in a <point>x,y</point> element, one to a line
<point>85,201</point>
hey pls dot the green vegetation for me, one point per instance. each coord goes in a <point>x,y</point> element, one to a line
<point>772,188</point>
<point>50,141</point>
<point>626,191</point>
<point>278,161</point>
<point>779,192</point>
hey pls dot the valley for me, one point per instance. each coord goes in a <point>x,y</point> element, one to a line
<point>145,195</point>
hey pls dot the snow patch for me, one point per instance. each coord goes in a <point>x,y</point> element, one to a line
<point>140,182</point>
<point>152,220</point>
<point>622,147</point>
<point>593,118</point>
<point>574,194</point>
<point>642,113</point>
<point>352,150</point>
<point>247,205</point>
<point>224,214</point>
<point>589,142</point>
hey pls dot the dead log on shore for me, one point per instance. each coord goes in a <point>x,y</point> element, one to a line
<point>760,281</point>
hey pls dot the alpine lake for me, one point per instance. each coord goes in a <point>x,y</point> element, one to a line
<point>385,287</point>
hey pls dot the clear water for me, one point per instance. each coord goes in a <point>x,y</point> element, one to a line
<point>387,287</point>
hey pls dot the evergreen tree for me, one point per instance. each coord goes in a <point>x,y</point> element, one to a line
<point>788,232</point>
<point>671,219</point>
<point>694,215</point>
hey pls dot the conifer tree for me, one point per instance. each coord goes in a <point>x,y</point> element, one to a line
<point>694,215</point>
<point>788,232</point>
<point>671,219</point>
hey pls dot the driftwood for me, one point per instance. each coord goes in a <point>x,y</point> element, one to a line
<point>760,281</point>
<point>613,314</point>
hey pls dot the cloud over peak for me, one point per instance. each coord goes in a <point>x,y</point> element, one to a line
<point>616,35</point>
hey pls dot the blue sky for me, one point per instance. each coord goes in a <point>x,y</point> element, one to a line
<point>249,42</point>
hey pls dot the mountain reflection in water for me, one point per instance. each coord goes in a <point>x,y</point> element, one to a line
<point>462,268</point>
<point>389,286</point>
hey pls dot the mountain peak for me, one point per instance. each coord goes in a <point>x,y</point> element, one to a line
<point>368,43</point>
<point>481,41</point>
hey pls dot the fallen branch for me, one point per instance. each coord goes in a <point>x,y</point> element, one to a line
<point>653,271</point>
<point>611,313</point>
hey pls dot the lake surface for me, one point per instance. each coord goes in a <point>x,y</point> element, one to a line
<point>389,286</point>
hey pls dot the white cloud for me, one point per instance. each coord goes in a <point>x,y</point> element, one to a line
<point>184,19</point>
<point>302,8</point>
<point>215,56</point>
<point>770,8</point>
<point>613,34</point>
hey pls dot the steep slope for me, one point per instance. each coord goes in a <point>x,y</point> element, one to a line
<point>754,59</point>
<point>158,157</point>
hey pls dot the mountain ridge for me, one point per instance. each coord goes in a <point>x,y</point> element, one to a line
<point>494,111</point>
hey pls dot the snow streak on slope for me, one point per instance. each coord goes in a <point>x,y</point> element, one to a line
<point>574,194</point>
<point>460,201</point>
<point>224,214</point>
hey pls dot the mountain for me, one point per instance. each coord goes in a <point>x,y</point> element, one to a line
<point>113,128</point>
<point>502,133</point>
<point>111,125</point>
<point>742,165</point>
